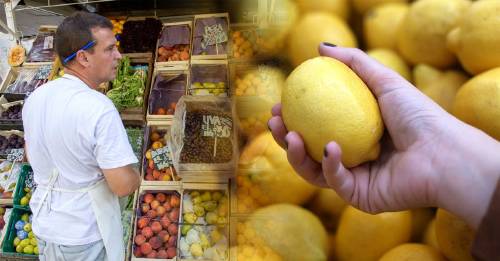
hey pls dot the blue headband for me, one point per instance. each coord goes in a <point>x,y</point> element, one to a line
<point>71,56</point>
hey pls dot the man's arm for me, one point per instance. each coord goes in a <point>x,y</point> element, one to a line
<point>122,181</point>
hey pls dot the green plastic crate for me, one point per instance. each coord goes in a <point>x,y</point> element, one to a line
<point>19,192</point>
<point>8,242</point>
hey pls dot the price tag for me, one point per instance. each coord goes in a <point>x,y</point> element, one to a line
<point>15,155</point>
<point>161,158</point>
<point>216,126</point>
<point>213,34</point>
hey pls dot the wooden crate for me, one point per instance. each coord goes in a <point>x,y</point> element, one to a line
<point>13,73</point>
<point>208,63</point>
<point>212,56</point>
<point>170,70</point>
<point>223,187</point>
<point>156,189</point>
<point>161,126</point>
<point>174,63</point>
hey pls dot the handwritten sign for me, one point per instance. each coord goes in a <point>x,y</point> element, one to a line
<point>15,155</point>
<point>161,158</point>
<point>213,34</point>
<point>216,126</point>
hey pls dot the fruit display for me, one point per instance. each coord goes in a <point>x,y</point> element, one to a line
<point>9,175</point>
<point>204,135</point>
<point>454,237</point>
<point>392,60</point>
<point>157,225</point>
<point>204,242</point>
<point>140,36</point>
<point>440,86</point>
<point>26,185</point>
<point>29,78</point>
<point>380,25</point>
<point>313,29</point>
<point>431,47</point>
<point>168,88</point>
<point>178,52</point>
<point>244,43</point>
<point>117,27</point>
<point>17,55</point>
<point>157,139</point>
<point>209,79</point>
<point>9,142</point>
<point>256,91</point>
<point>12,113</point>
<point>3,209</point>
<point>205,207</point>
<point>25,241</point>
<point>265,177</point>
<point>174,43</point>
<point>477,102</point>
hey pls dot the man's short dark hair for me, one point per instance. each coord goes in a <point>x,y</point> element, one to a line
<point>75,31</point>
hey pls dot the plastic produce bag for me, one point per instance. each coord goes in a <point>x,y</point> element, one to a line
<point>43,48</point>
<point>203,134</point>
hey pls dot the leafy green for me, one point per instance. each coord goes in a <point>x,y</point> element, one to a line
<point>128,86</point>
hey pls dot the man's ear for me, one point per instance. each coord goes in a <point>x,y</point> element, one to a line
<point>81,58</point>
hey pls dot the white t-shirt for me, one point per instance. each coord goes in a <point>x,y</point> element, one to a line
<point>78,131</point>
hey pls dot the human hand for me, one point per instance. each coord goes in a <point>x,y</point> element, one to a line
<point>427,155</point>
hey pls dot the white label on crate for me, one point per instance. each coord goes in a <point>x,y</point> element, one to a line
<point>16,155</point>
<point>216,126</point>
<point>48,42</point>
<point>161,158</point>
<point>214,34</point>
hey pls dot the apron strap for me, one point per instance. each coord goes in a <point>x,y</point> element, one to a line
<point>52,181</point>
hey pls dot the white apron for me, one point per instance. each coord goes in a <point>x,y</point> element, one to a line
<point>106,209</point>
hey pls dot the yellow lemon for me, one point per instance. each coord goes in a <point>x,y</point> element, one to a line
<point>362,236</point>
<point>392,60</point>
<point>422,34</point>
<point>341,8</point>
<point>380,25</point>
<point>478,102</point>
<point>315,28</point>
<point>412,252</point>
<point>430,235</point>
<point>328,206</point>
<point>476,39</point>
<point>440,86</point>
<point>454,236</point>
<point>324,100</point>
<point>264,163</point>
<point>291,231</point>
<point>361,6</point>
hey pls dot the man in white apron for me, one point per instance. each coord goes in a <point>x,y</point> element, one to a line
<point>78,148</point>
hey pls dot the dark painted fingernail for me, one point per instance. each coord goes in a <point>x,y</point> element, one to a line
<point>329,44</point>
<point>325,152</point>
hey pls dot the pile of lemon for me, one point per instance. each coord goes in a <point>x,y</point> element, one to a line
<point>448,49</point>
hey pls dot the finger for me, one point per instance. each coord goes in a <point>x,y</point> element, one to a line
<point>306,167</point>
<point>278,129</point>
<point>276,110</point>
<point>335,174</point>
<point>373,73</point>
